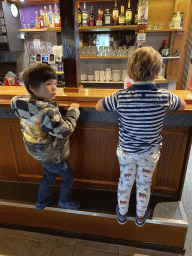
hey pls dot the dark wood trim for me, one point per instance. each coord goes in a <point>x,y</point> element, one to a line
<point>152,234</point>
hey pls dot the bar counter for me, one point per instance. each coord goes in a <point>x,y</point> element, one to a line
<point>95,166</point>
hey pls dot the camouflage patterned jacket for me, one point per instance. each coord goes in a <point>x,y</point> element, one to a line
<point>45,132</point>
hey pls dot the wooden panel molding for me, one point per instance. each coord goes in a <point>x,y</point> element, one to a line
<point>93,157</point>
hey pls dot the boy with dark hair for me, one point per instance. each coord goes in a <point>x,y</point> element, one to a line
<point>46,133</point>
<point>141,109</point>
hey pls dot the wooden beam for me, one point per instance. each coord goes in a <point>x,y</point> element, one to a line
<point>70,42</point>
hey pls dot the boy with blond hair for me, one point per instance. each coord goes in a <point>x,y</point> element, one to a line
<point>141,109</point>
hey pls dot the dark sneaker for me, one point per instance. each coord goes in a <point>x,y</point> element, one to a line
<point>141,222</point>
<point>70,205</point>
<point>42,206</point>
<point>121,219</point>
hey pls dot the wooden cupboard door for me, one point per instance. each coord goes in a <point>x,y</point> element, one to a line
<point>93,156</point>
<point>172,162</point>
<point>8,166</point>
<point>27,168</point>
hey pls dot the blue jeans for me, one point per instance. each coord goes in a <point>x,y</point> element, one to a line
<point>51,171</point>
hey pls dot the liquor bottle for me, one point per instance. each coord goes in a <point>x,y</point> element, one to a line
<point>128,15</point>
<point>84,16</point>
<point>108,18</point>
<point>171,23</point>
<point>56,16</point>
<point>102,18</point>
<point>115,15</point>
<point>92,18</point>
<point>99,21</point>
<point>51,18</point>
<point>164,50</point>
<point>79,15</point>
<point>37,22</point>
<point>177,21</point>
<point>122,16</point>
<point>136,16</point>
<point>45,16</point>
<point>142,15</point>
<point>41,19</point>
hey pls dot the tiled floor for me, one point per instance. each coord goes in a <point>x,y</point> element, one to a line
<point>21,243</point>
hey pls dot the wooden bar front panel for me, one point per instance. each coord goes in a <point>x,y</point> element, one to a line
<point>93,157</point>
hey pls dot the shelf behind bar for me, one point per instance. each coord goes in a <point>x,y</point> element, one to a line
<point>157,81</point>
<point>104,28</point>
<point>120,57</point>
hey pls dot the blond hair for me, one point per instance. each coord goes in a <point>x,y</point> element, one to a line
<point>144,64</point>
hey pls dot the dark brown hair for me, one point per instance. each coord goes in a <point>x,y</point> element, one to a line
<point>36,74</point>
<point>144,64</point>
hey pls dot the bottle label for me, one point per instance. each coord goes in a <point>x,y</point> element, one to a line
<point>128,15</point>
<point>85,15</point>
<point>50,19</point>
<point>42,23</point>
<point>121,20</point>
<point>99,22</point>
<point>115,14</point>
<point>136,18</point>
<point>57,19</point>
<point>79,18</point>
<point>143,14</point>
<point>91,23</point>
<point>107,20</point>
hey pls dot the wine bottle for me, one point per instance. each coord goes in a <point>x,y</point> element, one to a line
<point>41,19</point>
<point>122,16</point>
<point>92,18</point>
<point>84,16</point>
<point>136,16</point>
<point>79,15</point>
<point>115,15</point>
<point>99,21</point>
<point>164,50</point>
<point>108,18</point>
<point>142,15</point>
<point>45,16</point>
<point>51,18</point>
<point>128,15</point>
<point>37,22</point>
<point>56,16</point>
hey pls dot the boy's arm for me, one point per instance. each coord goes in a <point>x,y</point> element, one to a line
<point>108,103</point>
<point>175,102</point>
<point>99,106</point>
<point>182,104</point>
<point>55,125</point>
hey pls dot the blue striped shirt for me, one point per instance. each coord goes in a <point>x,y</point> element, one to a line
<point>141,109</point>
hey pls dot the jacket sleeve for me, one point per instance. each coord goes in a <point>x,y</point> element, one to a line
<point>55,125</point>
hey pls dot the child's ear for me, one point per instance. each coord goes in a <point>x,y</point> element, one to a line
<point>31,88</point>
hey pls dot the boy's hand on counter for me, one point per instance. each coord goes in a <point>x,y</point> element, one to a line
<point>75,105</point>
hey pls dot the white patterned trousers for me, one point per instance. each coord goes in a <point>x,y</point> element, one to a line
<point>139,167</point>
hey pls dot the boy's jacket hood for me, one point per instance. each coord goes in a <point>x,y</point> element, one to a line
<point>26,106</point>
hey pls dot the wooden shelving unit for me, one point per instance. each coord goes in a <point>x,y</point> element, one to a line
<point>120,57</point>
<point>104,28</point>
<point>157,81</point>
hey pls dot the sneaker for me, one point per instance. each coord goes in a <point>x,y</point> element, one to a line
<point>141,222</point>
<point>70,205</point>
<point>121,219</point>
<point>42,206</point>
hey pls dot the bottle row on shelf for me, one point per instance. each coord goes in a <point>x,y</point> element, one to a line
<point>48,19</point>
<point>108,18</point>
<point>123,16</point>
<point>51,19</point>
